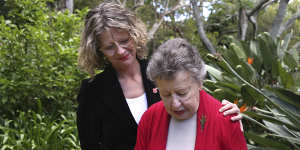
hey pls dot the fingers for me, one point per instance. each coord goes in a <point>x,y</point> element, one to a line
<point>225,107</point>
<point>230,108</point>
<point>224,102</point>
<point>233,110</point>
<point>238,117</point>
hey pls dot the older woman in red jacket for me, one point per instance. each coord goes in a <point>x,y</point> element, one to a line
<point>187,118</point>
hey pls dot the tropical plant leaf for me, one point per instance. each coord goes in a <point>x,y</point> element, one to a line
<point>234,87</point>
<point>257,58</point>
<point>290,61</point>
<point>286,41</point>
<point>286,78</point>
<point>266,50</point>
<point>272,119</point>
<point>266,142</point>
<point>214,72</point>
<point>238,49</point>
<point>224,93</point>
<point>250,96</point>
<point>287,96</point>
<point>211,85</point>
<point>231,57</point>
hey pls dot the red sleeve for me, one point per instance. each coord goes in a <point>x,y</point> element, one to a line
<point>233,136</point>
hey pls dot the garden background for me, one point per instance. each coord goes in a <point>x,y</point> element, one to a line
<point>251,48</point>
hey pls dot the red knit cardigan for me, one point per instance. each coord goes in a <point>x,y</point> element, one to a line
<point>216,132</point>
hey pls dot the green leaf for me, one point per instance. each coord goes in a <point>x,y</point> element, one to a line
<point>238,49</point>
<point>287,96</point>
<point>268,50</point>
<point>266,142</point>
<point>289,60</point>
<point>275,70</point>
<point>214,72</point>
<point>211,85</point>
<point>249,72</point>
<point>272,119</point>
<point>231,57</point>
<point>234,87</point>
<point>286,41</point>
<point>250,96</point>
<point>286,79</point>
<point>224,93</point>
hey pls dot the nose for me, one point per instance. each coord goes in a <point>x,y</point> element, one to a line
<point>120,50</point>
<point>176,104</point>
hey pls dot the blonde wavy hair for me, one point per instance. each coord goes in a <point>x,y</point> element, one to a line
<point>104,16</point>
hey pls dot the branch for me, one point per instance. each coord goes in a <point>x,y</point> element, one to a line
<point>156,25</point>
<point>253,21</point>
<point>200,28</point>
<point>252,15</point>
<point>296,46</point>
<point>289,23</point>
<point>269,3</point>
<point>175,29</point>
<point>279,18</point>
<point>257,8</point>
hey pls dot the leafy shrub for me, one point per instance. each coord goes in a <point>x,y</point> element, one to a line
<point>38,53</point>
<point>35,131</point>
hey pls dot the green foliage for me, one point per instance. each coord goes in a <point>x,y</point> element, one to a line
<point>267,86</point>
<point>38,55</point>
<point>36,131</point>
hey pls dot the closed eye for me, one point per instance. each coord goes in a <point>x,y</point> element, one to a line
<point>109,47</point>
<point>124,41</point>
<point>182,94</point>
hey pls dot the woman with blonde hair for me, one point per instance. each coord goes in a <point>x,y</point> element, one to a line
<point>112,102</point>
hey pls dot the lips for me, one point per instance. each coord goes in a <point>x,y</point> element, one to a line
<point>179,112</point>
<point>124,58</point>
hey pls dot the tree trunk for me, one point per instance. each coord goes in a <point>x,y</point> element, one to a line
<point>154,29</point>
<point>200,28</point>
<point>289,23</point>
<point>62,5</point>
<point>243,24</point>
<point>279,18</point>
<point>70,5</point>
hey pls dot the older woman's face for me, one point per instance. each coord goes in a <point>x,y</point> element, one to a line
<point>118,47</point>
<point>180,95</point>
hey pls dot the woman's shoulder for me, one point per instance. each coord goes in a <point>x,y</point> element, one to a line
<point>157,107</point>
<point>212,106</point>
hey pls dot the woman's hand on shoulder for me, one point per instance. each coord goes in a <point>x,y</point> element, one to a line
<point>229,108</point>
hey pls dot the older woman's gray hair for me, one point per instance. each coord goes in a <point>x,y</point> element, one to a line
<point>173,56</point>
<point>104,16</point>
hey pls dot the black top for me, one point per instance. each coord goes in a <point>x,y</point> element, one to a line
<point>104,120</point>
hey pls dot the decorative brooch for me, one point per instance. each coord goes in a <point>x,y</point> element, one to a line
<point>202,121</point>
<point>154,90</point>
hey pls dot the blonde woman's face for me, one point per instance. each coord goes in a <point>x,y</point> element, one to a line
<point>118,47</point>
<point>180,95</point>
